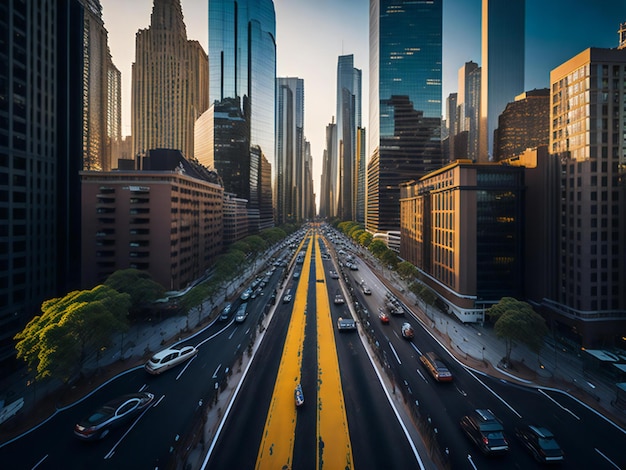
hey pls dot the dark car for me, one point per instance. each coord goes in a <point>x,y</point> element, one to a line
<point>226,312</point>
<point>541,443</point>
<point>486,431</point>
<point>114,413</point>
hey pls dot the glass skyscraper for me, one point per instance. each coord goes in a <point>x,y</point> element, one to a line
<point>242,65</point>
<point>405,101</point>
<point>502,58</point>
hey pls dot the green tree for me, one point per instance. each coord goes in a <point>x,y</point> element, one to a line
<point>407,270</point>
<point>138,284</point>
<point>256,243</point>
<point>377,247</point>
<point>57,342</point>
<point>365,239</point>
<point>519,323</point>
<point>389,258</point>
<point>506,303</point>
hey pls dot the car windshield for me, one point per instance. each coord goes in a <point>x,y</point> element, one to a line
<point>494,436</point>
<point>491,427</point>
<point>100,415</point>
<point>548,444</point>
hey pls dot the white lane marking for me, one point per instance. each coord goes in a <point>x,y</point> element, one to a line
<point>606,458</point>
<point>112,451</point>
<point>416,349</point>
<point>494,393</point>
<point>558,404</point>
<point>395,353</point>
<point>216,371</point>
<point>419,372</point>
<point>40,462</point>
<point>143,387</point>
<point>185,368</point>
<point>217,333</point>
<point>469,459</point>
<point>158,401</point>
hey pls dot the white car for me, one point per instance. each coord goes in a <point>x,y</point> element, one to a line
<point>169,358</point>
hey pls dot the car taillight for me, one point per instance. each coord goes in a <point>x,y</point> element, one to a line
<point>85,431</point>
<point>485,440</point>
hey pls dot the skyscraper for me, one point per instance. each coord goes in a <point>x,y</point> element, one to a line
<point>587,112</point>
<point>468,102</point>
<point>102,114</point>
<point>170,82</point>
<point>289,168</point>
<point>329,173</point>
<point>242,65</point>
<point>348,120</point>
<point>405,102</point>
<point>502,49</point>
<point>41,132</point>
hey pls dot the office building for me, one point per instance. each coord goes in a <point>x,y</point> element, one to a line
<point>360,168</point>
<point>405,103</point>
<point>328,189</point>
<point>502,49</point>
<point>468,103</point>
<point>242,58</point>
<point>41,144</point>
<point>169,82</point>
<point>165,219</point>
<point>348,121</point>
<point>290,160</point>
<point>463,228</point>
<point>524,124</point>
<point>587,114</point>
<point>102,92</point>
<point>450,127</point>
<point>308,210</point>
<point>235,218</point>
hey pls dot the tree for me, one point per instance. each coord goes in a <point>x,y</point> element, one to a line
<point>365,239</point>
<point>407,270</point>
<point>138,284</point>
<point>519,323</point>
<point>57,342</point>
<point>389,258</point>
<point>495,311</point>
<point>377,247</point>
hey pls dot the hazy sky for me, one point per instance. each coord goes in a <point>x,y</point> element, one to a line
<point>311,34</point>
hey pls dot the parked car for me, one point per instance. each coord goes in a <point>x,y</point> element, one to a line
<point>168,358</point>
<point>407,331</point>
<point>113,413</point>
<point>486,431</point>
<point>226,312</point>
<point>541,443</point>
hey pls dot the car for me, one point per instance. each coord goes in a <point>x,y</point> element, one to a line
<point>168,358</point>
<point>242,313</point>
<point>384,318</point>
<point>541,443</point>
<point>346,324</point>
<point>296,274</point>
<point>273,297</point>
<point>113,413</point>
<point>339,300</point>
<point>334,275</point>
<point>226,312</point>
<point>287,298</point>
<point>486,431</point>
<point>436,367</point>
<point>299,396</point>
<point>407,331</point>
<point>366,290</point>
<point>246,294</point>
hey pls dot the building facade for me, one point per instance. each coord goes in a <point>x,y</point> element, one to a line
<point>102,92</point>
<point>463,228</point>
<point>41,143</point>
<point>524,124</point>
<point>167,222</point>
<point>169,83</point>
<point>290,161</point>
<point>502,77</point>
<point>328,190</point>
<point>405,102</point>
<point>348,121</point>
<point>242,66</point>
<point>587,115</point>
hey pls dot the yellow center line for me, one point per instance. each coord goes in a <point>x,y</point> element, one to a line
<point>333,437</point>
<point>276,449</point>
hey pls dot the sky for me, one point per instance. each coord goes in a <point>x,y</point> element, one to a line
<point>312,34</point>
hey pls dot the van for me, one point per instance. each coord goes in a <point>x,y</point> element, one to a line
<point>436,367</point>
<point>242,313</point>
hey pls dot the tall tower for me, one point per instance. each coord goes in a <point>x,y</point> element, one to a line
<point>468,103</point>
<point>170,82</point>
<point>242,65</point>
<point>41,137</point>
<point>101,91</point>
<point>586,132</point>
<point>348,120</point>
<point>328,181</point>
<point>290,164</point>
<point>502,50</point>
<point>405,101</point>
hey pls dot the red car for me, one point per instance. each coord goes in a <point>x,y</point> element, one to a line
<point>384,318</point>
